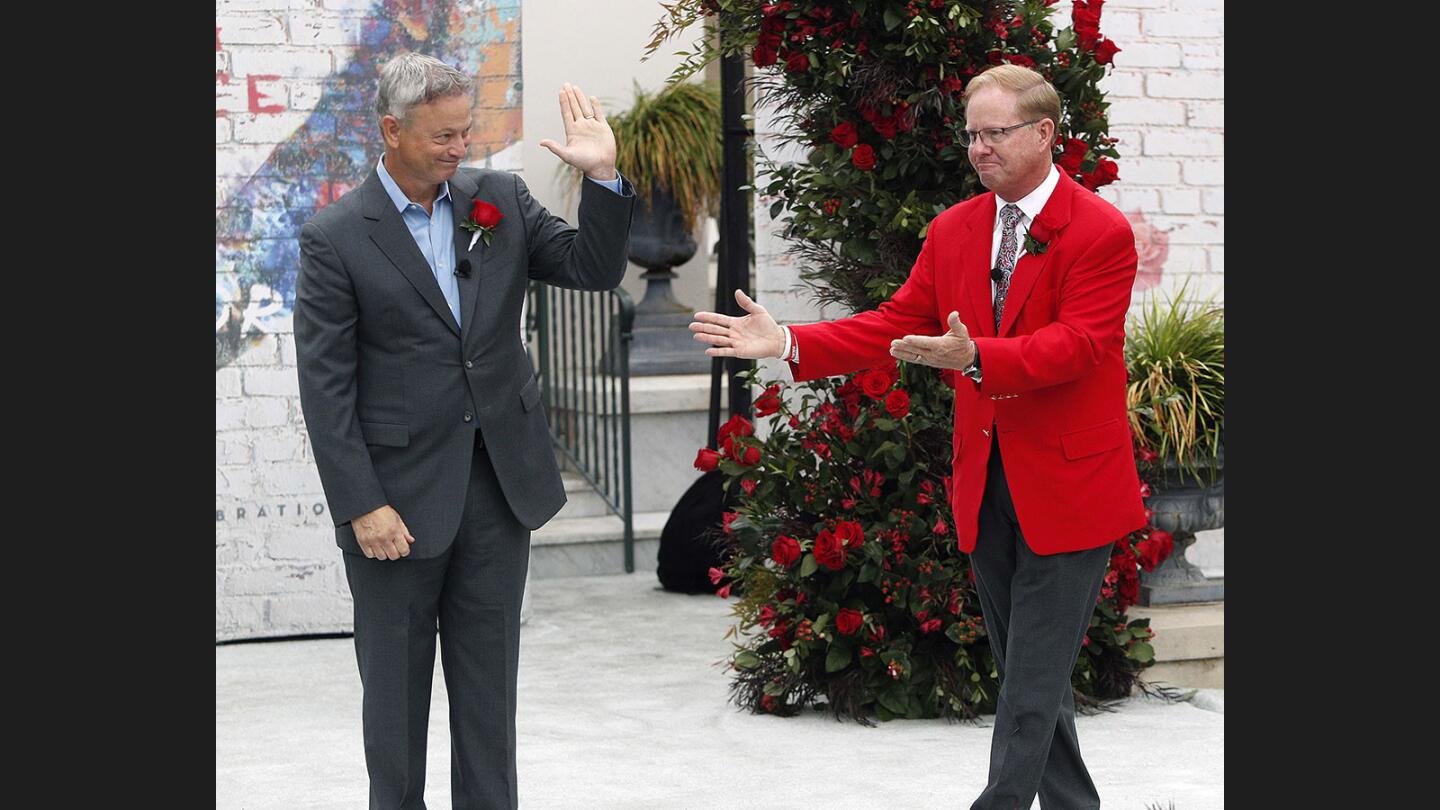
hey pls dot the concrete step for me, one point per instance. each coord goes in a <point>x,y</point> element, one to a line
<point>586,546</point>
<point>1189,644</point>
<point>581,499</point>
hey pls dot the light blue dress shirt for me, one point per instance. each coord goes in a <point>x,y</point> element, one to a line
<point>434,233</point>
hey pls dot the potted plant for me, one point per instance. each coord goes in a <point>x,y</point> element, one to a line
<point>1175,356</point>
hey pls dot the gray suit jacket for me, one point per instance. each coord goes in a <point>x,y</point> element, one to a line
<point>393,390</point>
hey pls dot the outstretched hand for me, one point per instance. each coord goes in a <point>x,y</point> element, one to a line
<point>954,349</point>
<point>589,141</point>
<point>753,336</point>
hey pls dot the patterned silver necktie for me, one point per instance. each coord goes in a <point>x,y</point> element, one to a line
<point>1009,218</point>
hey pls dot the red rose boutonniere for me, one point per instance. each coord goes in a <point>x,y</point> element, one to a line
<point>483,219</point>
<point>1037,239</point>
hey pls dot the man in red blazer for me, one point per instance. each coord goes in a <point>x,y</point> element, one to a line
<point>1024,291</point>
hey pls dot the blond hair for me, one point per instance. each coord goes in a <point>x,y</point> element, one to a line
<point>1034,97</point>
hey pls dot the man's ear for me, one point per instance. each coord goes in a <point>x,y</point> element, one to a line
<point>390,130</point>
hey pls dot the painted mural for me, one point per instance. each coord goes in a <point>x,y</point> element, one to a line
<point>258,215</point>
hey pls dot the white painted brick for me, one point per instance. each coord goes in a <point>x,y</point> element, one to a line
<point>1150,171</point>
<point>1129,142</point>
<point>1110,194</point>
<point>302,542</point>
<point>1120,26</point>
<point>222,132</point>
<point>1143,54</point>
<point>235,482</point>
<point>1146,111</point>
<point>251,29</point>
<point>347,5</point>
<point>287,349</point>
<point>1123,84</point>
<point>1198,232</point>
<point>1129,198</point>
<point>271,382</point>
<point>221,191</point>
<point>281,479</point>
<point>1203,56</point>
<point>230,6</point>
<point>1205,172</point>
<point>227,382</point>
<point>312,28</point>
<point>282,61</point>
<point>267,127</point>
<point>1215,200</point>
<point>229,414</point>
<point>237,616</point>
<point>304,93</point>
<point>1182,24</point>
<point>1184,142</point>
<point>222,62</point>
<point>232,448</point>
<point>231,95</point>
<point>1182,201</point>
<point>1135,4</point>
<point>1185,259</point>
<point>263,412</point>
<point>241,160</point>
<point>1185,85</point>
<point>1217,259</point>
<point>262,352</point>
<point>282,447</point>
<point>304,612</point>
<point>273,579</point>
<point>1206,114</point>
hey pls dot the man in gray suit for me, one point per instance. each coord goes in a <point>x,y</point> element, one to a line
<point>424,413</point>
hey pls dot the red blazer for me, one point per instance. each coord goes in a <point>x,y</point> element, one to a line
<point>1053,378</point>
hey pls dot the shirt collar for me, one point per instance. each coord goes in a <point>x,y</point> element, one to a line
<point>393,189</point>
<point>1033,203</point>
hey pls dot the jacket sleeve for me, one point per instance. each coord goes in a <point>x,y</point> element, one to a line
<point>1089,323</point>
<point>326,312</point>
<point>590,257</point>
<point>863,340</point>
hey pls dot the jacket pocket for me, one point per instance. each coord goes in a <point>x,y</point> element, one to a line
<point>385,434</point>
<point>1089,441</point>
<point>530,394</point>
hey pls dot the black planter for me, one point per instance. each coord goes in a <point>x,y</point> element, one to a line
<point>1184,504</point>
<point>662,341</point>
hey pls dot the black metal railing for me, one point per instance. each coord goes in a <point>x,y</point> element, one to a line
<point>583,342</point>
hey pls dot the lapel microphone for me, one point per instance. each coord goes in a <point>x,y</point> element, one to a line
<point>463,269</point>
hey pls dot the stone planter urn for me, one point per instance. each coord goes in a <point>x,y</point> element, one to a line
<point>1183,505</point>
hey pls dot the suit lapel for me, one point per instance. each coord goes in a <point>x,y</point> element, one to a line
<point>389,233</point>
<point>462,194</point>
<point>975,267</point>
<point>1053,217</point>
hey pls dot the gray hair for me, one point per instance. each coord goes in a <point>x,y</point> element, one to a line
<point>414,78</point>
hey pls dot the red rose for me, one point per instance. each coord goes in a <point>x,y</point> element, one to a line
<point>844,135</point>
<point>849,620</point>
<point>1105,52</point>
<point>797,63</point>
<point>995,57</point>
<point>736,426</point>
<point>724,593</point>
<point>863,157</point>
<point>728,518</point>
<point>1108,170</point>
<point>485,215</point>
<point>1155,548</point>
<point>829,550</point>
<point>874,383</point>
<point>886,127</point>
<point>766,617</point>
<point>850,532</point>
<point>751,457</point>
<point>898,403</point>
<point>707,459</point>
<point>941,528</point>
<point>748,485</point>
<point>1020,59</point>
<point>785,550</point>
<point>763,56</point>
<point>768,402</point>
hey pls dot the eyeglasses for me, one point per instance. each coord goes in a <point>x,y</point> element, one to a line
<point>993,136</point>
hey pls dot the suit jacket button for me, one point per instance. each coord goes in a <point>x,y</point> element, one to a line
<point>469,416</point>
<point>469,364</point>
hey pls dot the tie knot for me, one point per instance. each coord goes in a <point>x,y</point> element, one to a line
<point>1010,214</point>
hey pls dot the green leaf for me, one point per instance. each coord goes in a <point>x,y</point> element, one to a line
<point>956,633</point>
<point>884,714</point>
<point>893,698</point>
<point>809,565</point>
<point>747,660</point>
<point>893,18</point>
<point>1066,40</point>
<point>869,573</point>
<point>1141,651</point>
<point>837,659</point>
<point>776,207</point>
